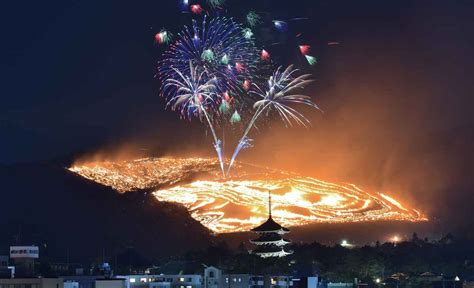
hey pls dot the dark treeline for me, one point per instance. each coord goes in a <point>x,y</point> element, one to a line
<point>404,261</point>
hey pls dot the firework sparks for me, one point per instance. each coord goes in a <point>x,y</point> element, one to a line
<point>277,96</point>
<point>248,34</point>
<point>215,46</point>
<point>252,19</point>
<point>216,3</point>
<point>304,49</point>
<point>196,9</point>
<point>265,56</point>
<point>163,37</point>
<point>194,93</point>
<point>281,26</point>
<point>311,60</point>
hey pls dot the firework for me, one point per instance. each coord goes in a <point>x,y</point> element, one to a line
<point>304,49</point>
<point>163,37</point>
<point>235,118</point>
<point>248,34</point>
<point>194,94</point>
<point>279,93</point>
<point>207,55</point>
<point>224,107</point>
<point>184,5</point>
<point>311,60</point>
<point>246,84</point>
<point>252,19</point>
<point>216,3</point>
<point>196,9</point>
<point>281,26</point>
<point>265,55</point>
<point>218,47</point>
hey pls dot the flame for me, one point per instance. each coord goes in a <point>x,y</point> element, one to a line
<point>240,203</point>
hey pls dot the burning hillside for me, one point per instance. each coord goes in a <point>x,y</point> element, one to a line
<point>240,203</point>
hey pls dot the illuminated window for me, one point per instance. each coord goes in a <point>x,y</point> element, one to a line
<point>143,280</point>
<point>181,280</point>
<point>132,280</point>
<point>189,286</point>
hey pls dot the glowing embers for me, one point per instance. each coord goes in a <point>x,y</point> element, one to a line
<point>233,206</point>
<point>241,204</point>
<point>128,175</point>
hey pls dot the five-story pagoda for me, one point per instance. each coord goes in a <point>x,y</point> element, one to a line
<point>270,242</point>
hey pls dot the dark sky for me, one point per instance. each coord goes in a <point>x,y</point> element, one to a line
<point>77,76</point>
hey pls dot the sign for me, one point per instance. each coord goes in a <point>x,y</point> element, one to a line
<point>24,252</point>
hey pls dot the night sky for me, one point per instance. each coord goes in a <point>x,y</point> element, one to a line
<point>78,77</point>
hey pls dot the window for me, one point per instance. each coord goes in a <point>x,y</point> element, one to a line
<point>143,280</point>
<point>132,280</point>
<point>181,279</point>
<point>211,274</point>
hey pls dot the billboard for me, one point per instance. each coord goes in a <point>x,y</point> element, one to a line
<point>24,252</point>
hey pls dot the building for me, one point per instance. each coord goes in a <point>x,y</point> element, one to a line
<point>6,271</point>
<point>31,283</point>
<point>24,260</point>
<point>110,283</point>
<point>163,281</point>
<point>270,241</point>
<point>97,281</point>
<point>216,278</point>
<point>278,282</point>
<point>306,282</point>
<point>71,284</point>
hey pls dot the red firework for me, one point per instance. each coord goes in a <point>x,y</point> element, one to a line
<point>239,67</point>
<point>265,55</point>
<point>304,49</point>
<point>196,9</point>
<point>246,84</point>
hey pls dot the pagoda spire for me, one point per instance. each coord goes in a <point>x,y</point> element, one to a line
<point>269,203</point>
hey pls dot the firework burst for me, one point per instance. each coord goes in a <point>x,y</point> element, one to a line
<point>219,47</point>
<point>277,96</point>
<point>194,95</point>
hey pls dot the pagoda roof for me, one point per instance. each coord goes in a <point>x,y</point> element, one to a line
<point>271,251</point>
<point>267,249</point>
<point>270,226</point>
<point>269,237</point>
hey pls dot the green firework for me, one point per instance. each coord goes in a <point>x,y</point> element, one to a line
<point>207,55</point>
<point>252,18</point>
<point>247,33</point>
<point>311,60</point>
<point>235,118</point>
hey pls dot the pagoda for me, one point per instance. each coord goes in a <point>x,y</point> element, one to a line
<point>270,242</point>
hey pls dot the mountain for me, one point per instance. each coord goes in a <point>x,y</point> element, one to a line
<point>46,205</point>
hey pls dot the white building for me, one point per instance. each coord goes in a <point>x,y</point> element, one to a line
<point>163,281</point>
<point>216,278</point>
